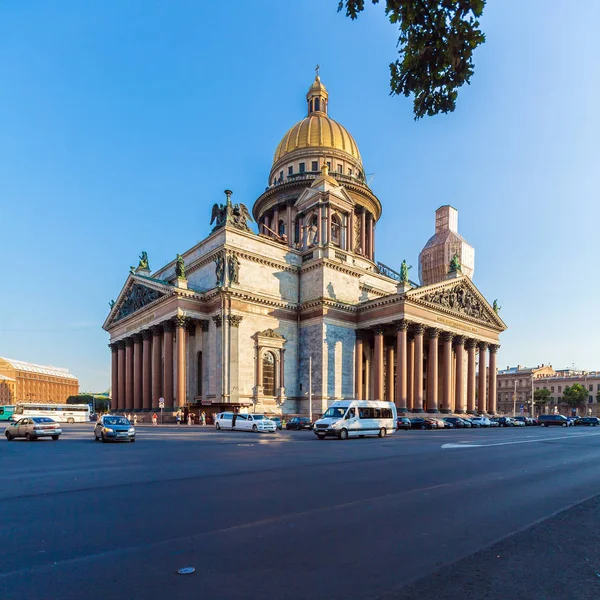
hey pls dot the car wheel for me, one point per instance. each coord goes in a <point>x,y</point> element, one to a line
<point>217,426</point>
<point>29,437</point>
<point>254,428</point>
<point>9,437</point>
<point>96,438</point>
<point>542,424</point>
<point>343,434</point>
<point>71,420</point>
<point>55,438</point>
<point>423,427</point>
<point>103,439</point>
<point>564,424</point>
<point>132,440</point>
<point>382,432</point>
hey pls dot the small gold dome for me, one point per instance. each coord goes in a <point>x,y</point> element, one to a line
<point>317,131</point>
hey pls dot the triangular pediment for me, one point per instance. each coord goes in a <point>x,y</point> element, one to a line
<point>459,297</point>
<point>137,294</point>
<point>337,195</point>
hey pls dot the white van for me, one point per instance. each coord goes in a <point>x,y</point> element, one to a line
<point>352,418</point>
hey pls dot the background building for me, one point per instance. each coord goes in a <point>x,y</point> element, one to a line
<point>558,381</point>
<point>37,383</point>
<point>519,381</point>
<point>7,390</point>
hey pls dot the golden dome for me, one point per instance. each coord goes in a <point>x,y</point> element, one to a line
<point>317,131</point>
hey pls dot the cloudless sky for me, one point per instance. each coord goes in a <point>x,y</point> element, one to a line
<point>122,122</point>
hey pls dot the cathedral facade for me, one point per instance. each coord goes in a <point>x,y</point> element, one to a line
<point>263,322</point>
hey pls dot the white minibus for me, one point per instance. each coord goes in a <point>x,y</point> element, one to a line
<point>61,413</point>
<point>357,418</point>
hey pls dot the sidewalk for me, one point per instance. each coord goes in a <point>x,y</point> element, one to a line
<point>557,559</point>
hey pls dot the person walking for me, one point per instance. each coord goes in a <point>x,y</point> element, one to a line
<point>135,420</point>
<point>154,420</point>
<point>178,418</point>
<point>189,418</point>
<point>203,419</point>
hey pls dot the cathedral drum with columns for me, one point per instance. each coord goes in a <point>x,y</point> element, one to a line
<point>234,322</point>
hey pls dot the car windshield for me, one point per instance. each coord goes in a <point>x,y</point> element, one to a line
<point>335,412</point>
<point>259,417</point>
<point>43,420</point>
<point>116,421</point>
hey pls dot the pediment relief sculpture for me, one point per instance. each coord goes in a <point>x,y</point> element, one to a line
<point>460,299</point>
<point>269,333</point>
<point>137,297</point>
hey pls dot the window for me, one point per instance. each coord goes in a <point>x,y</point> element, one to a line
<point>351,413</point>
<point>281,228</point>
<point>290,171</point>
<point>591,388</point>
<point>302,167</point>
<point>590,399</point>
<point>552,389</point>
<point>268,374</point>
<point>199,374</point>
<point>280,175</point>
<point>366,413</point>
<point>336,230</point>
<point>329,165</point>
<point>340,168</point>
<point>350,172</point>
<point>315,165</point>
<point>560,388</point>
<point>317,104</point>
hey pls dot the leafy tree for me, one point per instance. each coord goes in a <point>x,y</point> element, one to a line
<point>100,403</point>
<point>575,395</point>
<point>541,397</point>
<point>436,44</point>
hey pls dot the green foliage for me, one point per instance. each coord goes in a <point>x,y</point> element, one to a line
<point>541,397</point>
<point>436,43</point>
<point>575,395</point>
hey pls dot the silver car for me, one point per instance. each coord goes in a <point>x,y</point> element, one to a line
<point>33,428</point>
<point>111,428</point>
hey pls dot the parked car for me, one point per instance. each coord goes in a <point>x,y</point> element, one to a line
<point>423,423</point>
<point>467,421</point>
<point>445,424</point>
<point>299,423</point>
<point>506,422</point>
<point>277,420</point>
<point>482,421</point>
<point>112,428</point>
<point>403,423</point>
<point>244,422</point>
<point>494,422</point>
<point>33,428</point>
<point>573,421</point>
<point>456,422</point>
<point>518,423</point>
<point>522,419</point>
<point>558,420</point>
<point>589,421</point>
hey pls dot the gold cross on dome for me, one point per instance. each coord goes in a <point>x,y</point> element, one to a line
<point>317,69</point>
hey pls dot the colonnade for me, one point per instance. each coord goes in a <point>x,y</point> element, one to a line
<point>423,369</point>
<point>145,367</point>
<point>297,226</point>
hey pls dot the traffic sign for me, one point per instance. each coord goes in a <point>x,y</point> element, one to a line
<point>161,403</point>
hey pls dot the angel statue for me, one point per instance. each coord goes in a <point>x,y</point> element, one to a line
<point>404,272</point>
<point>180,267</point>
<point>227,214</point>
<point>455,266</point>
<point>143,264</point>
<point>111,304</point>
<point>496,307</point>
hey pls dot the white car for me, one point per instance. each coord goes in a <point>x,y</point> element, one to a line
<point>481,421</point>
<point>242,422</point>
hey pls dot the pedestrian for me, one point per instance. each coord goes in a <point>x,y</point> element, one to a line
<point>135,420</point>
<point>189,418</point>
<point>154,420</point>
<point>203,419</point>
<point>178,418</point>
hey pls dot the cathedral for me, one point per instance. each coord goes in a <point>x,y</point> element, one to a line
<point>300,314</point>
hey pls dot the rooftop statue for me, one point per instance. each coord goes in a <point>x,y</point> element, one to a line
<point>455,266</point>
<point>228,214</point>
<point>404,272</point>
<point>496,307</point>
<point>143,264</point>
<point>180,267</point>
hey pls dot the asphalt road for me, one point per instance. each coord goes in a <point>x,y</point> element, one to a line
<point>285,516</point>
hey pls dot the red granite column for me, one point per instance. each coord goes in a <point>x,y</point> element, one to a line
<point>128,405</point>
<point>378,365</point>
<point>114,386</point>
<point>137,372</point>
<point>157,344</point>
<point>168,327</point>
<point>181,395</point>
<point>418,369</point>
<point>482,379</point>
<point>122,376</point>
<point>358,364</point>
<point>447,371</point>
<point>471,376</point>
<point>401,365</point>
<point>389,374</point>
<point>492,384</point>
<point>459,393</point>
<point>410,374</point>
<point>432,371</point>
<point>147,370</point>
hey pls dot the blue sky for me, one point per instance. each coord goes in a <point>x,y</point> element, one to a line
<point>123,122</point>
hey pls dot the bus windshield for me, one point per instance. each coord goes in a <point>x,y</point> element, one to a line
<point>335,412</point>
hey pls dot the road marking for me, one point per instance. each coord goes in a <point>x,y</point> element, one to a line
<point>541,439</point>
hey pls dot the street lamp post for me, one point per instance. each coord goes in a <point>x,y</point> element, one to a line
<point>515,400</point>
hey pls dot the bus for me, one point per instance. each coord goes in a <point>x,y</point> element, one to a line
<point>6,412</point>
<point>61,413</point>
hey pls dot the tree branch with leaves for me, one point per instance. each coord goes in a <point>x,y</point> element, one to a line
<point>436,44</point>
